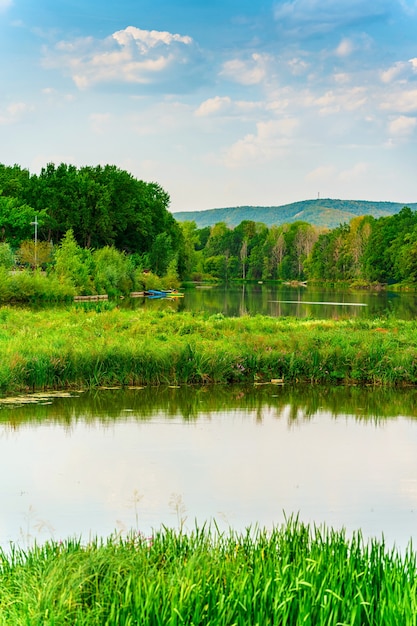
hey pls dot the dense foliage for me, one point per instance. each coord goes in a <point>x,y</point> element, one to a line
<point>98,229</point>
<point>294,574</point>
<point>366,250</point>
<point>101,206</point>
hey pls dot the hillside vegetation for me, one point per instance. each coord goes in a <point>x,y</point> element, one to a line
<point>359,252</point>
<point>97,230</point>
<point>322,212</point>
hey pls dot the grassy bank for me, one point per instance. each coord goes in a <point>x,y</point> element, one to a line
<point>58,348</point>
<point>291,575</point>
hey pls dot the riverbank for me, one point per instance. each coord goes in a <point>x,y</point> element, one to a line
<point>291,575</point>
<point>100,346</point>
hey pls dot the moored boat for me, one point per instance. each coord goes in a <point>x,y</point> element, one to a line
<point>162,293</point>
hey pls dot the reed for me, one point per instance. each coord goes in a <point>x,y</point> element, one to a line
<point>294,574</point>
<point>102,345</point>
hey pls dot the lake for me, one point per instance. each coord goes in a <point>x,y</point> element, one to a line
<point>281,300</point>
<point>92,463</point>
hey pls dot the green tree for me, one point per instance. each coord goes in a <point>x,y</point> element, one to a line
<point>16,221</point>
<point>218,241</point>
<point>113,271</point>
<point>217,266</point>
<point>274,250</point>
<point>382,258</point>
<point>188,252</point>
<point>203,235</point>
<point>73,263</point>
<point>104,206</point>
<point>7,258</point>
<point>407,260</point>
<point>36,254</point>
<point>13,180</point>
<point>161,253</point>
<point>243,257</point>
<point>330,258</point>
<point>359,233</point>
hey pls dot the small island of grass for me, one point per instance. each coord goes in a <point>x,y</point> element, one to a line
<point>101,345</point>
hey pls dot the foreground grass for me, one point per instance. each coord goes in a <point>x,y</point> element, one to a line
<point>59,348</point>
<point>291,575</point>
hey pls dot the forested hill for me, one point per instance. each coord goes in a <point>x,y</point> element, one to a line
<point>321,212</point>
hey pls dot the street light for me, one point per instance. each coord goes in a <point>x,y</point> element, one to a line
<point>35,224</point>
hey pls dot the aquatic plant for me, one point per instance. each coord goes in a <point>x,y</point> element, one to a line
<point>294,574</point>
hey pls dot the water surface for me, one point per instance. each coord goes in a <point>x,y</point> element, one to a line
<point>281,300</point>
<point>114,460</point>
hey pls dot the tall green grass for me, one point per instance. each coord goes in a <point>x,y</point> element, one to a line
<point>292,575</point>
<point>89,346</point>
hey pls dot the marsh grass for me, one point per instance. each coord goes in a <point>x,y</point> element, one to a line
<point>294,574</point>
<point>58,348</point>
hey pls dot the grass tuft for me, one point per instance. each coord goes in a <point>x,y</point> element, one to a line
<point>294,574</point>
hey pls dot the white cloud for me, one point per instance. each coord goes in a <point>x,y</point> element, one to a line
<point>298,66</point>
<point>345,48</point>
<point>224,105</point>
<point>327,103</point>
<point>401,70</point>
<point>14,113</point>
<point>402,126</point>
<point>213,106</point>
<point>147,39</point>
<point>356,172</point>
<point>322,173</point>
<point>395,71</point>
<point>333,102</point>
<point>130,56</point>
<point>342,78</point>
<point>250,72</point>
<point>271,139</point>
<point>326,173</point>
<point>280,102</point>
<point>401,101</point>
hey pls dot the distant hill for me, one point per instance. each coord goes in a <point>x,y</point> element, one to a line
<point>321,212</point>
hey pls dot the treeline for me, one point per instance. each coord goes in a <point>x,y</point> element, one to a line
<point>99,229</point>
<point>102,206</point>
<point>88,230</point>
<point>367,249</point>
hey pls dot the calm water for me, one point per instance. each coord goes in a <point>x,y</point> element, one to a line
<point>113,460</point>
<point>274,300</point>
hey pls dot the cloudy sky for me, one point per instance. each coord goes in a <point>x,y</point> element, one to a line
<point>222,102</point>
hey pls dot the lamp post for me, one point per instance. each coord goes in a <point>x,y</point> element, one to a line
<point>35,224</point>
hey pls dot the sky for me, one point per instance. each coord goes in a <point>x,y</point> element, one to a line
<point>222,102</point>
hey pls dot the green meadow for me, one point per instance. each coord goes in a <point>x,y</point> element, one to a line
<point>102,345</point>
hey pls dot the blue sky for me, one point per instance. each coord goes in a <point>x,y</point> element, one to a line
<point>222,102</point>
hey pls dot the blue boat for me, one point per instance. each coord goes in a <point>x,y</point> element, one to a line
<point>161,293</point>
